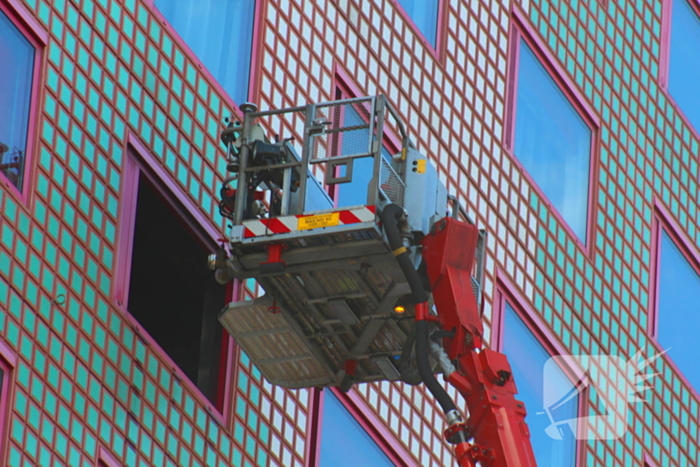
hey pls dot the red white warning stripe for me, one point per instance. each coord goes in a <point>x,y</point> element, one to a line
<point>285,224</point>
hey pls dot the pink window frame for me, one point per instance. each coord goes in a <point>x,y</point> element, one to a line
<point>368,420</point>
<point>437,50</point>
<point>664,221</point>
<point>665,57</point>
<point>649,461</point>
<point>665,45</point>
<point>147,166</point>
<point>254,81</point>
<point>521,29</point>
<point>106,459</point>
<point>507,292</point>
<point>8,363</point>
<point>38,38</point>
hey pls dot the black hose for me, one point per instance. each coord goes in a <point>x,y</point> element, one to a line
<point>409,372</point>
<point>390,219</point>
<point>433,385</point>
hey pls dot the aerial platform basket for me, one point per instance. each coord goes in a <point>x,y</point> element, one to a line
<point>333,304</point>
<point>332,285</point>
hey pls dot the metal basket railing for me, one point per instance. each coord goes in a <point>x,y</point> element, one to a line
<point>336,136</point>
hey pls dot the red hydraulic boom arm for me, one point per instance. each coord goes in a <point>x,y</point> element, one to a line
<point>496,421</point>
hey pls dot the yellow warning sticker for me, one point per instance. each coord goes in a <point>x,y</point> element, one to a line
<point>421,166</point>
<point>322,220</point>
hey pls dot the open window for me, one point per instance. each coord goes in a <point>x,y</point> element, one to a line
<point>523,342</point>
<point>20,55</point>
<point>164,283</point>
<point>550,130</point>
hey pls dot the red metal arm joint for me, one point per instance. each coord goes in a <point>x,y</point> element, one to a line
<point>484,378</point>
<point>452,433</point>
<point>496,418</point>
<point>469,454</point>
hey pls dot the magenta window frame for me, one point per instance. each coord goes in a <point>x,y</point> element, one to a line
<point>314,421</point>
<point>665,57</point>
<point>255,52</point>
<point>663,220</point>
<point>522,29</point>
<point>438,50</point>
<point>665,44</point>
<point>507,292</point>
<point>649,461</point>
<point>105,458</point>
<point>39,39</point>
<point>139,162</point>
<point>8,363</point>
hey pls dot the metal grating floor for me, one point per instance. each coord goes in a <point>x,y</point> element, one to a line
<point>335,303</point>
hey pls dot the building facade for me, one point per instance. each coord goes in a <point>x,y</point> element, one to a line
<point>569,130</point>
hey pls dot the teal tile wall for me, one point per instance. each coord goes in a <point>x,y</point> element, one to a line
<point>112,68</point>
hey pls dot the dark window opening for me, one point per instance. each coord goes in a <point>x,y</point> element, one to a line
<point>173,294</point>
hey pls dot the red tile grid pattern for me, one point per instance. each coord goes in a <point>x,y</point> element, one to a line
<point>84,375</point>
<point>86,381</point>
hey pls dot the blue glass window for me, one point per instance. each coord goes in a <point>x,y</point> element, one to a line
<point>684,66</point>
<point>678,308</point>
<point>424,14</point>
<point>527,357</point>
<point>354,142</point>
<point>17,58</point>
<point>344,443</point>
<point>220,32</point>
<point>552,141</point>
<point>355,192</point>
